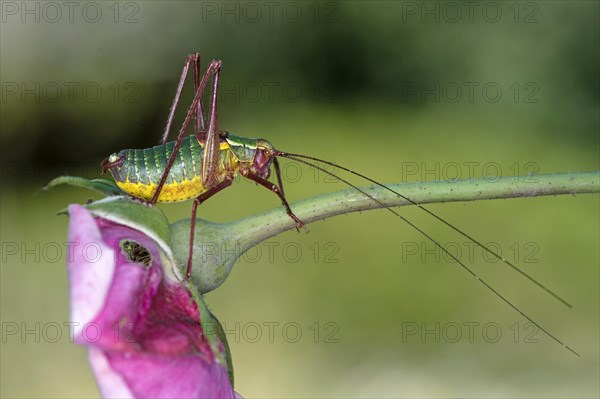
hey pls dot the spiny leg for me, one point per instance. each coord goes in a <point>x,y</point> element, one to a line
<point>213,67</point>
<point>201,198</point>
<point>200,118</point>
<point>194,60</point>
<point>274,188</point>
<point>212,154</point>
<point>278,174</point>
<point>210,161</point>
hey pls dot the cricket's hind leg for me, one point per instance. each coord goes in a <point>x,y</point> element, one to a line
<point>213,69</point>
<point>192,60</point>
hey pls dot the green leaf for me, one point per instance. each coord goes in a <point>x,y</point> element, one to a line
<point>103,186</point>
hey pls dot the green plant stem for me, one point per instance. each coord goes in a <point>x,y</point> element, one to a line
<point>212,268</point>
<point>275,221</point>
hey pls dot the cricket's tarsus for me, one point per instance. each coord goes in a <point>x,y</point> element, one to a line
<point>201,164</point>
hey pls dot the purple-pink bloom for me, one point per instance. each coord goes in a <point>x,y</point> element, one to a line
<point>141,325</point>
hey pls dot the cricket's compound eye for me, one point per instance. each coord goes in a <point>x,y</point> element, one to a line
<point>113,158</point>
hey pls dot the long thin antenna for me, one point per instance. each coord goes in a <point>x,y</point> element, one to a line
<point>486,248</point>
<point>292,157</point>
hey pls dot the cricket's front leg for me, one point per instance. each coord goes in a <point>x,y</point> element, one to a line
<point>274,188</point>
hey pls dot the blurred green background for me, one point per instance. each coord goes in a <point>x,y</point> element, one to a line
<point>400,91</point>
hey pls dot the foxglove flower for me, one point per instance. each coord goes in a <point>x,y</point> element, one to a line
<point>148,334</point>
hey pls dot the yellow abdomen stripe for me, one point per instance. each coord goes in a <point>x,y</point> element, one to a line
<point>171,192</point>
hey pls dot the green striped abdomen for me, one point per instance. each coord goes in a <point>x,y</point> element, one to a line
<point>147,165</point>
<point>142,169</point>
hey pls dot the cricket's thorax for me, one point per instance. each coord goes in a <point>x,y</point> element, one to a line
<point>142,169</point>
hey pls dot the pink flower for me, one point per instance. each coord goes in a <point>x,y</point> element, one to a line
<point>142,326</point>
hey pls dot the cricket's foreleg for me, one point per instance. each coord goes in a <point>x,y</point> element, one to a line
<point>274,188</point>
<point>278,174</point>
<point>200,199</point>
<point>213,67</point>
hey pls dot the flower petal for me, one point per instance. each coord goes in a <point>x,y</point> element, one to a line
<point>110,382</point>
<point>156,376</point>
<point>143,329</point>
<point>90,267</point>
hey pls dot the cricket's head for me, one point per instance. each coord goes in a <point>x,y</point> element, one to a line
<point>263,157</point>
<point>254,155</point>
